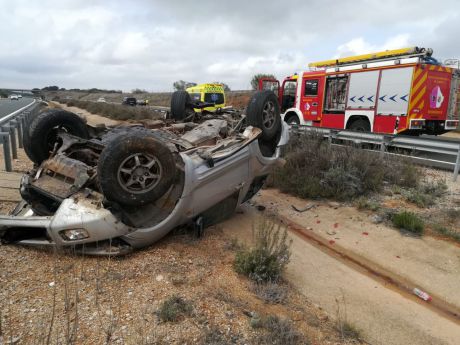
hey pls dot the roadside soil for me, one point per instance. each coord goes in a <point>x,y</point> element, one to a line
<point>382,313</point>
<point>423,262</point>
<point>91,119</point>
<point>46,295</point>
<point>118,298</point>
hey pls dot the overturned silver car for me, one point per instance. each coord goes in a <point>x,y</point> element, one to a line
<point>107,191</point>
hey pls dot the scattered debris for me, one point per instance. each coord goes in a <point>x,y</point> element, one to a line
<point>335,205</point>
<point>365,233</point>
<point>306,208</point>
<point>422,294</point>
<point>260,208</point>
<point>332,233</point>
<point>376,219</point>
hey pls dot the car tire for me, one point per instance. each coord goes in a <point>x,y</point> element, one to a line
<point>27,144</point>
<point>264,112</point>
<point>181,105</point>
<point>42,132</point>
<point>360,125</point>
<point>136,169</point>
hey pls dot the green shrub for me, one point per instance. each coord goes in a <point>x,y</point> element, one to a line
<point>269,256</point>
<point>270,292</point>
<point>115,111</point>
<point>363,203</point>
<point>446,232</point>
<point>408,221</point>
<point>314,168</point>
<point>279,331</point>
<point>173,308</point>
<point>348,331</point>
<point>419,198</point>
<point>425,195</point>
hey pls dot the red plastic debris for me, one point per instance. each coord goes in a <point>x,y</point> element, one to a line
<point>422,294</point>
<point>365,233</point>
<point>318,221</point>
<point>336,225</point>
<point>398,256</point>
<point>331,242</point>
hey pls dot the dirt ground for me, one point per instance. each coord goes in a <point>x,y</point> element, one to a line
<point>117,300</point>
<point>382,313</point>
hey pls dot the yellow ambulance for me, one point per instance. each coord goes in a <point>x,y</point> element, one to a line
<point>209,93</point>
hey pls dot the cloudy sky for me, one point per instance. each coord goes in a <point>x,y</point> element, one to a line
<point>149,44</point>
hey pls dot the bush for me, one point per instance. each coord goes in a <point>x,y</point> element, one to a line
<point>408,221</point>
<point>446,232</point>
<point>363,203</point>
<point>279,332</point>
<point>426,194</point>
<point>315,169</point>
<point>268,258</point>
<point>173,308</point>
<point>348,331</point>
<point>270,292</point>
<point>115,111</point>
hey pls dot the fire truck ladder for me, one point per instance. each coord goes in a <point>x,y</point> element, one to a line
<point>379,56</point>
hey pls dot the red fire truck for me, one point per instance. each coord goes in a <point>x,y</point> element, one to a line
<point>398,91</point>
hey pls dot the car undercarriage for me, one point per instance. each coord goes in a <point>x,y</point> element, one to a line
<point>109,190</point>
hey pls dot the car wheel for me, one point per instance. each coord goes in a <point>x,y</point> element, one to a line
<point>264,112</point>
<point>135,169</point>
<point>43,131</point>
<point>181,105</point>
<point>360,126</point>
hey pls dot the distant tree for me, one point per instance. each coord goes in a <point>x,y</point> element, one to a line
<point>36,91</point>
<point>138,91</point>
<point>62,89</point>
<point>256,77</point>
<point>51,88</point>
<point>3,94</point>
<point>181,85</point>
<point>225,86</point>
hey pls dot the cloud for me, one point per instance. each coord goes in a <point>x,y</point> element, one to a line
<point>359,45</point>
<point>150,44</point>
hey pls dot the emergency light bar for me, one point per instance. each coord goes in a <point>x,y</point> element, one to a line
<point>387,54</point>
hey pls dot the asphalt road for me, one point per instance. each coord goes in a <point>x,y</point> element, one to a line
<point>8,106</point>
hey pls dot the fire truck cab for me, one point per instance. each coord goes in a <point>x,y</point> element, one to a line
<point>397,91</point>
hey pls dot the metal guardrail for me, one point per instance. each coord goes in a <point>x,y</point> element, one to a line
<point>12,125</point>
<point>433,152</point>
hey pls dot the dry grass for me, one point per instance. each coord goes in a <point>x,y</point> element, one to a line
<point>266,261</point>
<point>316,169</point>
<point>115,111</point>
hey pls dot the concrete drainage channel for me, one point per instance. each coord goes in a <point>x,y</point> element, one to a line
<point>390,280</point>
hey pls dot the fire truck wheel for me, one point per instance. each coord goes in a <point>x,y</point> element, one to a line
<point>135,169</point>
<point>292,120</point>
<point>264,112</point>
<point>43,131</point>
<point>181,105</point>
<point>360,126</point>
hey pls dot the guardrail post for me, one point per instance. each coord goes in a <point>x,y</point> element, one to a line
<point>457,165</point>
<point>14,149</point>
<point>6,150</point>
<point>20,128</point>
<point>332,135</point>
<point>383,145</point>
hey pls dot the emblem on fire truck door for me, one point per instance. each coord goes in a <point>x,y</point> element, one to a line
<point>307,106</point>
<point>436,98</point>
